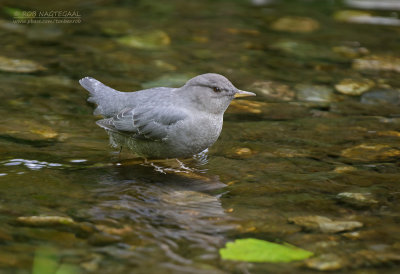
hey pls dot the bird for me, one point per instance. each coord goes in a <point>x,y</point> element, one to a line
<point>162,122</point>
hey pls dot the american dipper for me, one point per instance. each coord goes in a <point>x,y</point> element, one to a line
<point>165,122</point>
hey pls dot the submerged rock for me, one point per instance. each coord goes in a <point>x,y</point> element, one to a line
<point>326,262</point>
<point>378,63</point>
<point>28,129</point>
<point>45,220</point>
<point>344,169</point>
<point>364,17</point>
<point>350,52</point>
<point>350,15</point>
<point>115,27</point>
<point>45,32</point>
<point>371,152</point>
<point>314,93</point>
<point>384,96</point>
<point>354,87</point>
<point>274,90</point>
<point>19,65</point>
<point>101,239</point>
<point>375,258</point>
<point>152,40</point>
<point>324,224</point>
<point>244,151</point>
<point>374,5</point>
<point>295,24</point>
<point>357,199</point>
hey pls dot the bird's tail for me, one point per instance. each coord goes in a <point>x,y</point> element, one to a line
<point>108,100</point>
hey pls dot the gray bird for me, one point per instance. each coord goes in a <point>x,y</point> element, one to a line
<point>165,122</point>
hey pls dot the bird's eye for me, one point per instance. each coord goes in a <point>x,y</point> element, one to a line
<point>216,89</point>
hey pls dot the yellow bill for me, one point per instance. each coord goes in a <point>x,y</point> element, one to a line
<point>242,93</point>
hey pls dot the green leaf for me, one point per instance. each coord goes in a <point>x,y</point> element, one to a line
<point>254,250</point>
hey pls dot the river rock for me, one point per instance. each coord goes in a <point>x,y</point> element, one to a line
<point>314,93</point>
<point>273,90</point>
<point>354,87</point>
<point>377,63</point>
<point>350,52</point>
<point>324,224</point>
<point>364,17</point>
<point>371,152</point>
<point>295,24</point>
<point>384,96</point>
<point>326,262</point>
<point>101,239</point>
<point>19,65</point>
<point>45,220</point>
<point>357,199</point>
<point>150,41</point>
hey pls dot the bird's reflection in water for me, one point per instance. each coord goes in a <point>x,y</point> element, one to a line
<point>170,220</point>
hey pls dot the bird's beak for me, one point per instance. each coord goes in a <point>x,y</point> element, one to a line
<point>242,93</point>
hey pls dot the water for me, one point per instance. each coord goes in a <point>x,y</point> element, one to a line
<point>300,148</point>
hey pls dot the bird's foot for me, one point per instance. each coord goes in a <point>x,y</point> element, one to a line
<point>170,168</point>
<point>185,168</point>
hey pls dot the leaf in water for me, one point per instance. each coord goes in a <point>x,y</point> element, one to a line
<point>254,250</point>
<point>45,260</point>
<point>68,269</point>
<point>12,12</point>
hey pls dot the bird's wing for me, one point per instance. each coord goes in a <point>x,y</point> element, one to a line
<point>144,123</point>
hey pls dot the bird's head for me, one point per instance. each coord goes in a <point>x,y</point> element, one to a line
<point>211,92</point>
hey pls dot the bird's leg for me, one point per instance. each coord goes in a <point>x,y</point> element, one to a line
<point>182,166</point>
<point>120,150</point>
<point>156,168</point>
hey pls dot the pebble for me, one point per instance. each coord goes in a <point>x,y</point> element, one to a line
<point>363,17</point>
<point>377,63</point>
<point>244,151</point>
<point>101,239</point>
<point>326,262</point>
<point>295,24</point>
<point>350,52</point>
<point>378,97</point>
<point>149,41</point>
<point>371,152</point>
<point>324,224</point>
<point>19,65</point>
<point>273,90</point>
<point>357,199</point>
<point>314,93</point>
<point>27,129</point>
<point>344,169</point>
<point>354,87</point>
<point>45,220</point>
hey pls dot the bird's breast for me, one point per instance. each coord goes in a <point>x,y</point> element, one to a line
<point>197,133</point>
